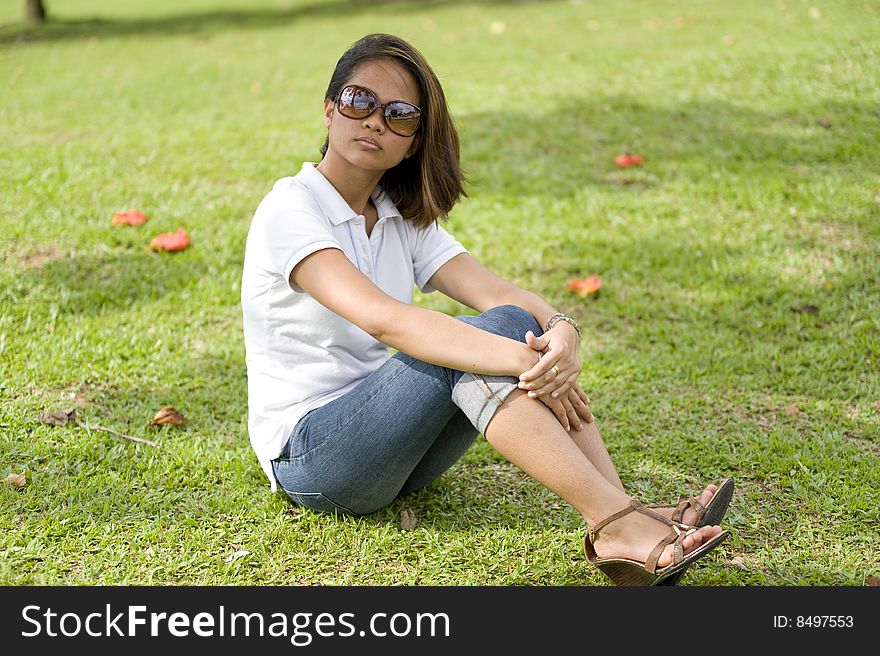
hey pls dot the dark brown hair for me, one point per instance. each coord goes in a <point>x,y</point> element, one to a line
<point>425,186</point>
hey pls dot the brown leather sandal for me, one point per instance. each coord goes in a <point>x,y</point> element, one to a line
<point>626,571</point>
<point>709,515</point>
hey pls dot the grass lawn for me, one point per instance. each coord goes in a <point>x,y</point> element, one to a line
<point>737,332</point>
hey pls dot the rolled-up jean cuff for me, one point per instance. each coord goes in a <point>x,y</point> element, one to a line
<point>479,396</point>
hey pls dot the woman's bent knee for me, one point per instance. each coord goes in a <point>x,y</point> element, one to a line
<point>515,320</point>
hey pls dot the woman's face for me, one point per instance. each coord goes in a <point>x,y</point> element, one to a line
<point>368,143</point>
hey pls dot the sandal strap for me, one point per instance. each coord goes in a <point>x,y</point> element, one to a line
<point>651,562</point>
<point>593,531</point>
<point>680,509</point>
<point>676,538</point>
<point>635,504</point>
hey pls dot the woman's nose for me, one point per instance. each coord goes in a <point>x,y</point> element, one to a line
<point>375,121</point>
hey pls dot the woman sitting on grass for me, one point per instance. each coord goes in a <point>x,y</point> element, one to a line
<point>332,255</point>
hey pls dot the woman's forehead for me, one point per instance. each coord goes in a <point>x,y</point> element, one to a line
<point>387,79</point>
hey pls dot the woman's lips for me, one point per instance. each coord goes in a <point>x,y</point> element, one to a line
<point>369,144</point>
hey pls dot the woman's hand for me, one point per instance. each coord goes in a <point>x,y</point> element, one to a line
<point>572,409</point>
<point>561,349</point>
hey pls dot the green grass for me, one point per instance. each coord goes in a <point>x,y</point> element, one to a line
<point>737,332</point>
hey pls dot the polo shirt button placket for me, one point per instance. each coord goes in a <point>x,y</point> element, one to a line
<point>364,249</point>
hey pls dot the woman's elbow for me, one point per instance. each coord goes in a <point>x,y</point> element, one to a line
<point>383,323</point>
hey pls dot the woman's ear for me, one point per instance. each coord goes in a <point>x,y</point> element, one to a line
<point>328,113</point>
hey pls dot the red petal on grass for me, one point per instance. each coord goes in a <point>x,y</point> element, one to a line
<point>584,286</point>
<point>628,159</point>
<point>131,217</point>
<point>170,241</point>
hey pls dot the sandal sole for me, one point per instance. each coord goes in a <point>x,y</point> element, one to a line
<point>629,572</point>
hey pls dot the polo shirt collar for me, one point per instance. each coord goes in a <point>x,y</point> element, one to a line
<point>335,206</point>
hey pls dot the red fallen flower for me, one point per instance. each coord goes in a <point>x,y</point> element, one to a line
<point>628,159</point>
<point>170,241</point>
<point>131,217</point>
<point>584,286</point>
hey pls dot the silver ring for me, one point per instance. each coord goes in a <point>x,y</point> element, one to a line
<point>555,369</point>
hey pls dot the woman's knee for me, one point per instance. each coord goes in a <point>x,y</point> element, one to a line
<point>514,320</point>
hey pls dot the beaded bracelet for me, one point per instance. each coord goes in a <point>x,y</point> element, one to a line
<point>552,321</point>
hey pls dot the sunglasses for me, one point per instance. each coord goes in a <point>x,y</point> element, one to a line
<point>358,103</point>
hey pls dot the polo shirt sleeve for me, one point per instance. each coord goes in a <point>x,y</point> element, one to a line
<point>431,247</point>
<point>290,229</point>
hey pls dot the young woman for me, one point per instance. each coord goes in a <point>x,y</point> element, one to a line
<point>331,259</point>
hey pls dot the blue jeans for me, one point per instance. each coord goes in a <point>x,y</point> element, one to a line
<point>397,430</point>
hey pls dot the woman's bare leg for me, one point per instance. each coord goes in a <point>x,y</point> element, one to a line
<point>530,436</point>
<point>593,447</point>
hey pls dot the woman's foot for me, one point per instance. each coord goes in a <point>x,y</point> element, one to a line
<point>690,517</point>
<point>636,535</point>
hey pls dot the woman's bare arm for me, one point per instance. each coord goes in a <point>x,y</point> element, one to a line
<point>332,280</point>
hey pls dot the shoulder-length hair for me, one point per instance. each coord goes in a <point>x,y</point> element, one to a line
<point>425,186</point>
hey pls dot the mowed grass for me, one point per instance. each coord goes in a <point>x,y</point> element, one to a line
<point>737,332</point>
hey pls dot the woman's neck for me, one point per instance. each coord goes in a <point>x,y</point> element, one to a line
<point>353,184</point>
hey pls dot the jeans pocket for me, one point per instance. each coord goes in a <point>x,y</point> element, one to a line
<point>316,501</point>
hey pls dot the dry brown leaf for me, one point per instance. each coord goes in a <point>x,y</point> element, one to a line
<point>167,416</point>
<point>58,417</point>
<point>873,580</point>
<point>408,519</point>
<point>17,481</point>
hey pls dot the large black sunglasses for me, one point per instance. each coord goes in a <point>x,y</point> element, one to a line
<point>358,103</point>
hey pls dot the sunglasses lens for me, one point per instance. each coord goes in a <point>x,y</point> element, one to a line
<point>355,102</point>
<point>402,118</point>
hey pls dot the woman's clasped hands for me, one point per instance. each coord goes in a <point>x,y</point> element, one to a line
<point>553,380</point>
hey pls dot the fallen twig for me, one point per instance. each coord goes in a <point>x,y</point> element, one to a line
<point>110,430</point>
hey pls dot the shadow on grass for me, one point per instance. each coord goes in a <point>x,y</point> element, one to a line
<point>215,21</point>
<point>91,284</point>
<point>559,150</point>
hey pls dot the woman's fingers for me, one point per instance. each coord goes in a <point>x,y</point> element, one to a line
<point>580,402</point>
<point>555,390</point>
<point>570,410</point>
<point>559,410</point>
<point>571,414</point>
<point>540,372</point>
<point>556,371</point>
<point>584,412</point>
<point>555,385</point>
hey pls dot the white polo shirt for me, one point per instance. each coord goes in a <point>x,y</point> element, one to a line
<point>299,354</point>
